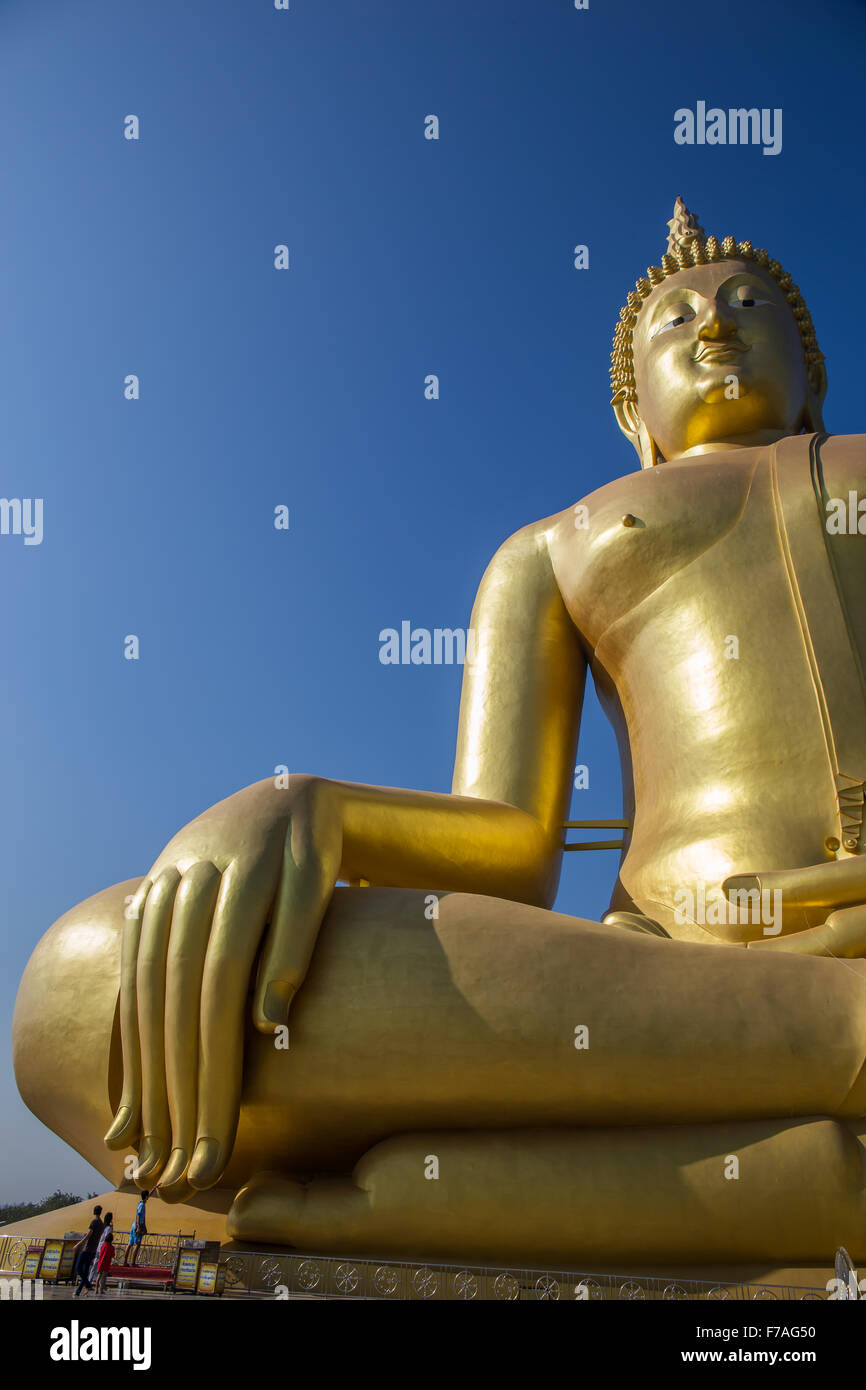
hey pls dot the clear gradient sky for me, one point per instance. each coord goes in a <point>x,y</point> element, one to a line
<point>306,387</point>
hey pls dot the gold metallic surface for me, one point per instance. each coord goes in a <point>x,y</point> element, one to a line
<point>438,1013</point>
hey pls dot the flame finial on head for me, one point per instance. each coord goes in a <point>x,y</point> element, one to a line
<point>683,227</point>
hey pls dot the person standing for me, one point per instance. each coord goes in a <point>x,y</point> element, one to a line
<point>103,1263</point>
<point>107,1230</point>
<point>139,1229</point>
<point>86,1249</point>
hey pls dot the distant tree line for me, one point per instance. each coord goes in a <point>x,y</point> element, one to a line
<point>20,1211</point>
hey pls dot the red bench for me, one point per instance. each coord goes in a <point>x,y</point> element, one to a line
<point>145,1275</point>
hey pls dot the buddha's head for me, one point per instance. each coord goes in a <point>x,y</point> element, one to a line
<point>714,347</point>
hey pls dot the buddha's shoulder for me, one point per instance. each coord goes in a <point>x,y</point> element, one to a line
<point>526,550</point>
<point>846,448</point>
<point>843,441</point>
<point>537,545</point>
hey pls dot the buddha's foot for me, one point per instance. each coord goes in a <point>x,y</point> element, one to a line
<point>742,1191</point>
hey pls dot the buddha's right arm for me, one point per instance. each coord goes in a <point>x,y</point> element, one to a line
<point>263,864</point>
<point>499,831</point>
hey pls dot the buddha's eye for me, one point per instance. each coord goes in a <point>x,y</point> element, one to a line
<point>679,314</point>
<point>746,297</point>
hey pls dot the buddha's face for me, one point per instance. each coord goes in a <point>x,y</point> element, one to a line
<point>718,358</point>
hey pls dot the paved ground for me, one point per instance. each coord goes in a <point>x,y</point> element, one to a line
<point>65,1293</point>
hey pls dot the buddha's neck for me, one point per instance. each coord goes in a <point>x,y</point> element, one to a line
<point>721,446</point>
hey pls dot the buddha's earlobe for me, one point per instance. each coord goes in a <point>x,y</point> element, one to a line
<point>816,390</point>
<point>634,429</point>
<point>647,448</point>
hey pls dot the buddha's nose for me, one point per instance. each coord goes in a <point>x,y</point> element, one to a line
<point>716,322</point>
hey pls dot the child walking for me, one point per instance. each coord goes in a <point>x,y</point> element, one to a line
<point>103,1264</point>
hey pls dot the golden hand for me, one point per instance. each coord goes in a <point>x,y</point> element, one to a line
<point>264,858</point>
<point>838,887</point>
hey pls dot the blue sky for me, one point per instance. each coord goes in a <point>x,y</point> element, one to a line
<point>306,387</point>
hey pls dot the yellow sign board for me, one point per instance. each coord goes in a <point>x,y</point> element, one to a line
<point>207,1277</point>
<point>52,1254</point>
<point>67,1261</point>
<point>186,1277</point>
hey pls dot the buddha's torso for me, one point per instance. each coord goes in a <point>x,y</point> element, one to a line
<point>727,634</point>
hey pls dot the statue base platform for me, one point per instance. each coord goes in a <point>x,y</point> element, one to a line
<point>258,1269</point>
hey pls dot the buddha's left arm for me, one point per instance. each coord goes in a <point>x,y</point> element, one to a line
<point>836,887</point>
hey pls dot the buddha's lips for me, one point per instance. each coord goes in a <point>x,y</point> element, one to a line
<point>720,351</point>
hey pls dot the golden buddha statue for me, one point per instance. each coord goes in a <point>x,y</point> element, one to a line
<point>430,1062</point>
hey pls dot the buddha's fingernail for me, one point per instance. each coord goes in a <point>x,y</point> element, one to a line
<point>203,1170</point>
<point>741,883</point>
<point>175,1168</point>
<point>149,1155</point>
<point>277,1000</point>
<point>121,1120</point>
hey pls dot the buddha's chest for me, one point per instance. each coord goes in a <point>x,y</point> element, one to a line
<point>726,529</point>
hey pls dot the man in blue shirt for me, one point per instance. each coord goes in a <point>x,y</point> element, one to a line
<point>139,1229</point>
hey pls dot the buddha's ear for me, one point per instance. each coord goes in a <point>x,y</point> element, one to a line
<point>816,390</point>
<point>634,429</point>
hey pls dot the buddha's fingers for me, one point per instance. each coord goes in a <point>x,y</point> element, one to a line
<point>190,931</point>
<point>310,869</point>
<point>842,936</point>
<point>150,984</point>
<point>847,932</point>
<point>837,883</point>
<point>239,920</point>
<point>126,1127</point>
